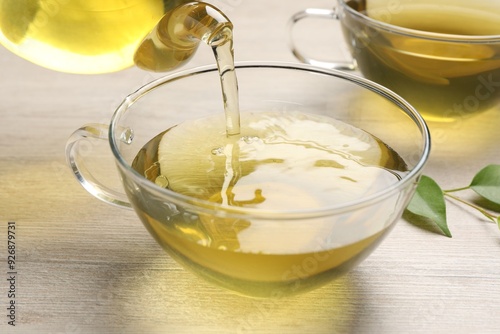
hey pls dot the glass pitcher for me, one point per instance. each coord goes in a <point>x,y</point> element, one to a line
<point>80,36</point>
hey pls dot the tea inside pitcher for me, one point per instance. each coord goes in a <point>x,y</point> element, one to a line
<point>79,36</point>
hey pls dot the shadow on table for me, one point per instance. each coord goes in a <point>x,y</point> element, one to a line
<point>465,139</point>
<point>173,300</point>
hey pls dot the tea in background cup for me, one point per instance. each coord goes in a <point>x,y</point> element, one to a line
<point>441,56</point>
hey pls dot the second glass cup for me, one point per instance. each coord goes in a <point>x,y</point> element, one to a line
<point>441,56</point>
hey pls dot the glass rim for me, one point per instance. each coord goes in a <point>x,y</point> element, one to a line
<point>441,37</point>
<point>199,205</point>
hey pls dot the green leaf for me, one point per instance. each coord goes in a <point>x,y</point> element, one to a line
<point>429,202</point>
<point>487,183</point>
<point>498,222</point>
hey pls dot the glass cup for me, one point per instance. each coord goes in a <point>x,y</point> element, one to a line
<point>316,245</point>
<point>441,56</point>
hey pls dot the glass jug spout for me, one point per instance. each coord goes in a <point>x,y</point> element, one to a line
<point>177,35</point>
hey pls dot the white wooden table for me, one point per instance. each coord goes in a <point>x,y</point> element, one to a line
<point>86,267</point>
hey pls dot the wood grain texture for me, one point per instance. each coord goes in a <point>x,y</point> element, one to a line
<point>86,267</point>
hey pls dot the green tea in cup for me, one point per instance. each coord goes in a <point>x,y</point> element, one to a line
<point>441,56</point>
<point>282,161</point>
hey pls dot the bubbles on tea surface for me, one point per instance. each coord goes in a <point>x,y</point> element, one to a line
<point>189,217</point>
<point>218,151</point>
<point>251,139</point>
<point>161,181</point>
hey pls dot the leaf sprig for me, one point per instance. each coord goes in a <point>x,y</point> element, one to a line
<point>429,199</point>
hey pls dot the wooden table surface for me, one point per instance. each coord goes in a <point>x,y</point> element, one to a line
<point>86,267</point>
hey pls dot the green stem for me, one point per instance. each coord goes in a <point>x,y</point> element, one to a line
<point>455,190</point>
<point>478,208</point>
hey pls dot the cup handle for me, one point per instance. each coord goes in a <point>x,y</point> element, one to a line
<point>330,14</point>
<point>74,158</point>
